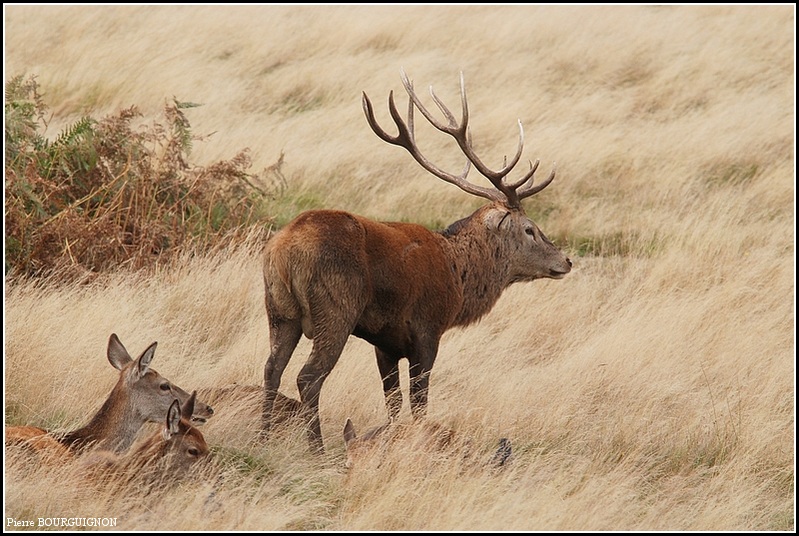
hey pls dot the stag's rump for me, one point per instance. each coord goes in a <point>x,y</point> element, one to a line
<point>378,275</point>
<point>314,265</point>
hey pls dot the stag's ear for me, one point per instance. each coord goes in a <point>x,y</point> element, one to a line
<point>495,218</point>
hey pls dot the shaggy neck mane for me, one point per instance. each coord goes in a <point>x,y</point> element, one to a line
<point>480,267</point>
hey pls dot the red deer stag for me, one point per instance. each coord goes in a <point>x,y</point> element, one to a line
<point>140,395</point>
<point>330,274</point>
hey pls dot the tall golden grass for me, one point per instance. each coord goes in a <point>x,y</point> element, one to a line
<point>651,389</point>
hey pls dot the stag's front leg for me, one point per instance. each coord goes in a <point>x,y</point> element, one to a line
<point>283,338</point>
<point>419,367</point>
<point>389,373</point>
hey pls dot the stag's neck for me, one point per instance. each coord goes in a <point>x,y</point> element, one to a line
<point>111,428</point>
<point>481,271</point>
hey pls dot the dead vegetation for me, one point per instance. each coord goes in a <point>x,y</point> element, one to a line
<point>651,390</point>
<point>118,192</point>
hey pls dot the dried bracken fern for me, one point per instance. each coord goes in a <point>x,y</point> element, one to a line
<point>112,193</point>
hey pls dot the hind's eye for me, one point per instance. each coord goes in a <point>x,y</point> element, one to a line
<point>165,387</point>
<point>529,231</point>
<point>194,452</point>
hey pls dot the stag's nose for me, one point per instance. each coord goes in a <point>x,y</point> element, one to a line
<point>569,262</point>
<point>211,410</point>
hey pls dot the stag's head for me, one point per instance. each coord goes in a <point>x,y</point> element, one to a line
<point>530,253</point>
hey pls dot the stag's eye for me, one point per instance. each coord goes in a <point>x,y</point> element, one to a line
<point>529,231</point>
<point>165,387</point>
<point>194,452</point>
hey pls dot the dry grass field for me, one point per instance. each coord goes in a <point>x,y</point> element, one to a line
<point>652,388</point>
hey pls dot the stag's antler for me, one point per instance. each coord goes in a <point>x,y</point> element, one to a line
<point>511,194</point>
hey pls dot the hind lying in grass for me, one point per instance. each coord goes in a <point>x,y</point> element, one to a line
<point>141,395</point>
<point>427,437</point>
<point>165,455</point>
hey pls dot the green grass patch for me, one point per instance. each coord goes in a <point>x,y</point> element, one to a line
<point>242,462</point>
<point>302,99</point>
<point>614,244</point>
<point>730,173</point>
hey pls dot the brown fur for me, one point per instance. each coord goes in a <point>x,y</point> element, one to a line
<point>418,437</point>
<point>141,395</point>
<point>330,274</point>
<point>249,398</point>
<point>38,446</point>
<point>166,455</point>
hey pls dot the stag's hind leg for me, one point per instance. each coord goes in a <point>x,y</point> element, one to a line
<point>312,376</point>
<point>283,338</point>
<point>336,307</point>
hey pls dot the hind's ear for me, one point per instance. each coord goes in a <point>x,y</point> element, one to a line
<point>172,421</point>
<point>349,432</point>
<point>188,408</point>
<point>144,360</point>
<point>118,356</point>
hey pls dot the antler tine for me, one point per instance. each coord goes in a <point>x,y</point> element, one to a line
<point>519,149</point>
<point>511,194</point>
<point>532,190</point>
<point>410,117</point>
<point>453,127</point>
<point>370,118</point>
<point>461,134</point>
<point>405,139</point>
<point>449,129</point>
<point>527,176</point>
